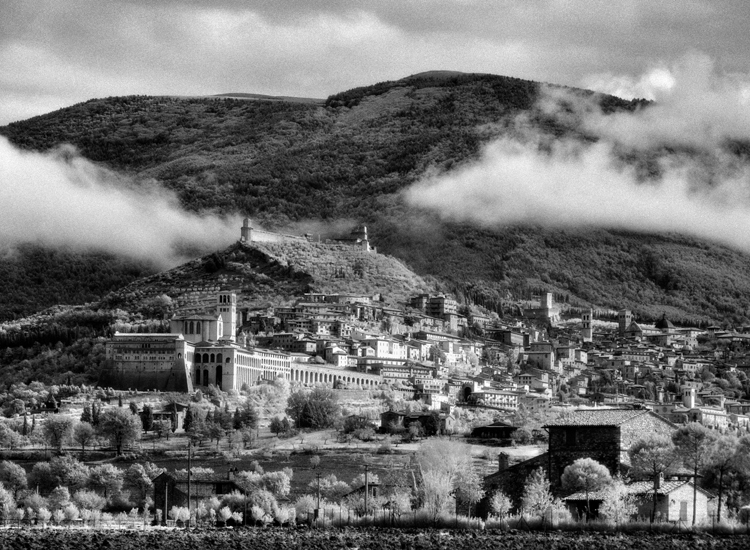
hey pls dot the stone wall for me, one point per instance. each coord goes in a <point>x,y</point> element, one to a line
<point>147,376</point>
<point>568,444</point>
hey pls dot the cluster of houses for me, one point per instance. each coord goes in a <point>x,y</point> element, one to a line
<point>431,349</point>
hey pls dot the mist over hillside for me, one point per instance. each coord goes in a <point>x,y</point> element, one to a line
<point>495,186</point>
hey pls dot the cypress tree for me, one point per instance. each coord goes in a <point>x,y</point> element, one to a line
<point>188,419</point>
<point>86,414</point>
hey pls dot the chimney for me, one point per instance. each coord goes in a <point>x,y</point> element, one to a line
<point>659,480</point>
<point>503,461</point>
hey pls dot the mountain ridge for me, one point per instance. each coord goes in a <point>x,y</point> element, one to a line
<point>285,163</point>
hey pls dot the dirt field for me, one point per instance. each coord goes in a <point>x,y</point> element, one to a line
<point>358,539</point>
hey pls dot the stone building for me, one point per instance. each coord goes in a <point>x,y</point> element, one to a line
<point>604,435</point>
<point>171,489</point>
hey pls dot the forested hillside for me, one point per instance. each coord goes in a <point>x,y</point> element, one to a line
<point>350,158</point>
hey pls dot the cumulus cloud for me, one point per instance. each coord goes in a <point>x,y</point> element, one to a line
<point>568,183</point>
<point>61,199</point>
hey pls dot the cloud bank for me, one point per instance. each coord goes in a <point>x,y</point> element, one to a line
<point>699,189</point>
<point>61,199</point>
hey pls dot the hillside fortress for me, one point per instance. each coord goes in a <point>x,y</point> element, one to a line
<point>248,234</point>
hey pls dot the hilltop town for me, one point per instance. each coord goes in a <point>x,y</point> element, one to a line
<point>551,384</point>
<point>444,353</point>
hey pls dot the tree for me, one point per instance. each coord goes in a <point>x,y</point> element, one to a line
<point>467,487</point>
<point>83,434</point>
<point>188,420</point>
<point>537,497</point>
<point>651,456</point>
<point>692,442</point>
<point>316,409</point>
<point>120,427</point>
<point>86,499</point>
<point>86,415</point>
<point>139,483</point>
<point>7,504</point>
<point>296,406</point>
<point>277,425</point>
<point>148,418</point>
<point>439,462</point>
<point>500,504</point>
<point>57,430</point>
<point>13,477</point>
<point>587,475</point>
<point>245,417</point>
<point>107,477</point>
<point>618,504</point>
<point>69,471</point>
<point>726,454</point>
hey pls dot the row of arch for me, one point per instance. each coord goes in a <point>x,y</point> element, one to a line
<point>307,376</point>
<point>203,377</point>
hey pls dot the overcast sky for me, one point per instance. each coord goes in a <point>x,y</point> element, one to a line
<point>55,53</point>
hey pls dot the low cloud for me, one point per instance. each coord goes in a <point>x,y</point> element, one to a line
<point>60,199</point>
<point>702,190</point>
<point>694,107</point>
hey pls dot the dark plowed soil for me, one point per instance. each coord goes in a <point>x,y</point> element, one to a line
<point>360,539</point>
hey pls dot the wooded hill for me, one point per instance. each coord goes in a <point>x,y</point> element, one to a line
<point>349,158</point>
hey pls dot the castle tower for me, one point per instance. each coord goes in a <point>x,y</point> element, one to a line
<point>586,332</point>
<point>226,307</point>
<point>624,318</point>
<point>360,235</point>
<point>688,397</point>
<point>246,233</point>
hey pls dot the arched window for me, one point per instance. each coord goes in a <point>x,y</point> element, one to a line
<point>205,358</point>
<point>190,328</point>
<point>213,358</point>
<point>218,377</point>
<point>205,377</point>
<point>198,328</point>
<point>219,358</point>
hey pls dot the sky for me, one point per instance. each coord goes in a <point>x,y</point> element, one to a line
<point>56,53</point>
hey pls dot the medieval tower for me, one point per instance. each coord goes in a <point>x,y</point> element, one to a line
<point>586,332</point>
<point>226,308</point>
<point>624,318</point>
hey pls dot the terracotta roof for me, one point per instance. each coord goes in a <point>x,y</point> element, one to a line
<point>598,417</point>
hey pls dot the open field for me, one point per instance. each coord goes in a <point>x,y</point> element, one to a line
<point>361,539</point>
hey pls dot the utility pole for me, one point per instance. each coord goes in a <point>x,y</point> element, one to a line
<point>317,512</point>
<point>367,488</point>
<point>190,467</point>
